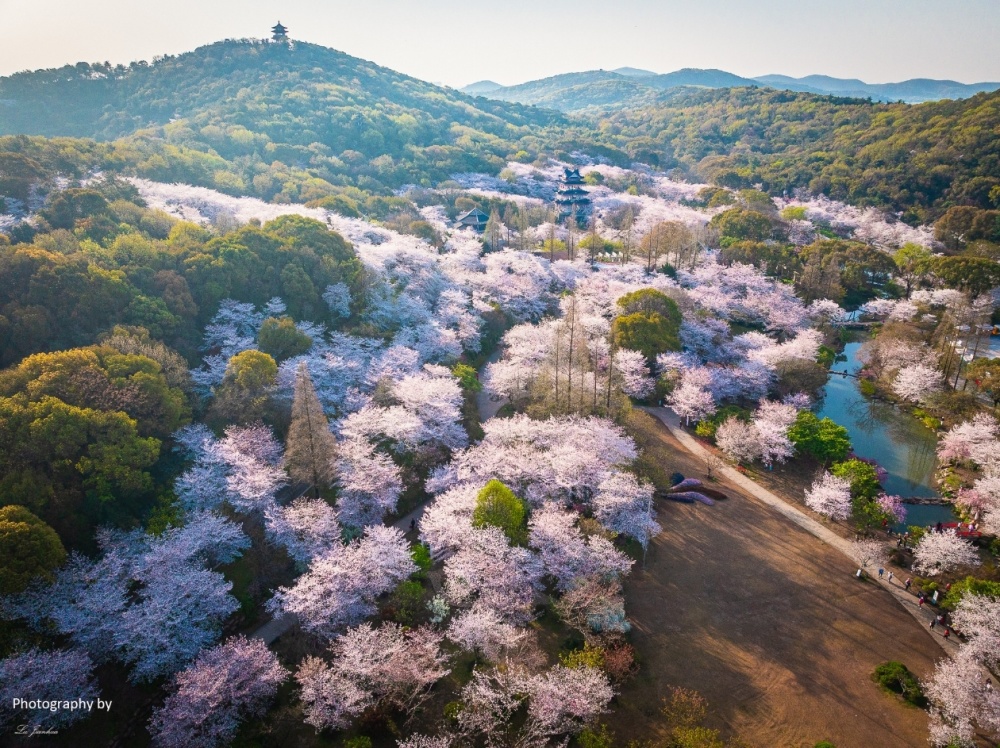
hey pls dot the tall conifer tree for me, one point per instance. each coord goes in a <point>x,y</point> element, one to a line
<point>311,447</point>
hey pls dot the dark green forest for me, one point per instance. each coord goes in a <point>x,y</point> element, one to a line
<point>301,122</point>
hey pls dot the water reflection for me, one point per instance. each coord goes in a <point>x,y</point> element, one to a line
<point>896,440</point>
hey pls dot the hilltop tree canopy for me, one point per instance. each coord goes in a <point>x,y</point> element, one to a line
<point>310,123</point>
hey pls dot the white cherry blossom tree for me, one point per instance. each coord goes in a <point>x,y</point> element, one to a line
<point>943,551</point>
<point>830,496</point>
<point>226,685</point>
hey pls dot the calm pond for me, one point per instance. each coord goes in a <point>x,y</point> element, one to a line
<point>895,439</point>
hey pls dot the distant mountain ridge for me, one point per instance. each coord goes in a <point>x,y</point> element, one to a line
<point>632,87</point>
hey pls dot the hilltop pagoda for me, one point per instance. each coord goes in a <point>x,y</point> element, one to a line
<point>279,33</point>
<point>571,198</point>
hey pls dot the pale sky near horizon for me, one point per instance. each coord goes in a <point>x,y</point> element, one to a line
<point>456,43</point>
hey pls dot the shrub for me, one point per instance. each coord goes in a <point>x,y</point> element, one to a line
<point>916,532</point>
<point>970,586</point>
<point>497,505</point>
<point>824,744</point>
<point>590,738</point>
<point>589,656</point>
<point>896,677</point>
<point>826,356</point>
<point>619,662</point>
<point>862,476</point>
<point>451,711</point>
<point>421,556</point>
<point>361,741</point>
<point>822,438</point>
<point>468,378</point>
<point>406,600</point>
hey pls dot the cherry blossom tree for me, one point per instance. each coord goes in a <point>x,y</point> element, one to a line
<point>148,601</point>
<point>427,418</point>
<point>253,460</point>
<point>341,586</point>
<point>496,575</point>
<point>564,700</point>
<point>978,618</point>
<point>943,551</point>
<point>556,459</point>
<point>369,667</point>
<point>690,401</point>
<point>739,440</point>
<point>827,312</point>
<point>307,528</point>
<point>958,690</point>
<point>595,608</point>
<point>631,368</point>
<point>425,741</point>
<point>369,482</point>
<point>892,506</point>
<point>489,700</point>
<point>567,555</point>
<point>179,610</point>
<point>625,505</point>
<point>446,524</point>
<point>917,383</point>
<point>338,299</point>
<point>480,629</point>
<point>830,496</point>
<point>35,675</point>
<point>869,552</point>
<point>772,422</point>
<point>961,702</point>
<point>975,441</point>
<point>226,685</point>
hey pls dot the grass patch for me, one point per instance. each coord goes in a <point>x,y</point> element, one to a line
<point>896,677</point>
<point>656,460</point>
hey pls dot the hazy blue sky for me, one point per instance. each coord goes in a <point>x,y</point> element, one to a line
<point>510,41</point>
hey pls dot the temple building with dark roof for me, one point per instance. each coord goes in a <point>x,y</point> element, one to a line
<point>475,219</point>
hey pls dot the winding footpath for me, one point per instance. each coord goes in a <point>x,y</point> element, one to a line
<point>800,518</point>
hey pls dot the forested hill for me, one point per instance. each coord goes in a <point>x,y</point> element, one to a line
<point>299,122</point>
<point>251,83</point>
<point>919,159</point>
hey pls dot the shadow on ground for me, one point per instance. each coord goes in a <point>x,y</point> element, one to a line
<point>771,626</point>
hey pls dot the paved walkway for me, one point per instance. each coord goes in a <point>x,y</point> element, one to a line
<point>803,520</point>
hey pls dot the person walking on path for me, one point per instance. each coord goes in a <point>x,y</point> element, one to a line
<point>890,576</point>
<point>920,600</point>
<point>907,584</point>
<point>933,622</point>
<point>881,571</point>
<point>947,633</point>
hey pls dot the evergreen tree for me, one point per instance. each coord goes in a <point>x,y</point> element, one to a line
<point>493,233</point>
<point>497,506</point>
<point>311,447</point>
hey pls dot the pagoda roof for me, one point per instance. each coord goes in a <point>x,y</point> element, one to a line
<point>279,29</point>
<point>477,214</point>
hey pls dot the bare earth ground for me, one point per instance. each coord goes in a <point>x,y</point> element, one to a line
<point>769,624</point>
